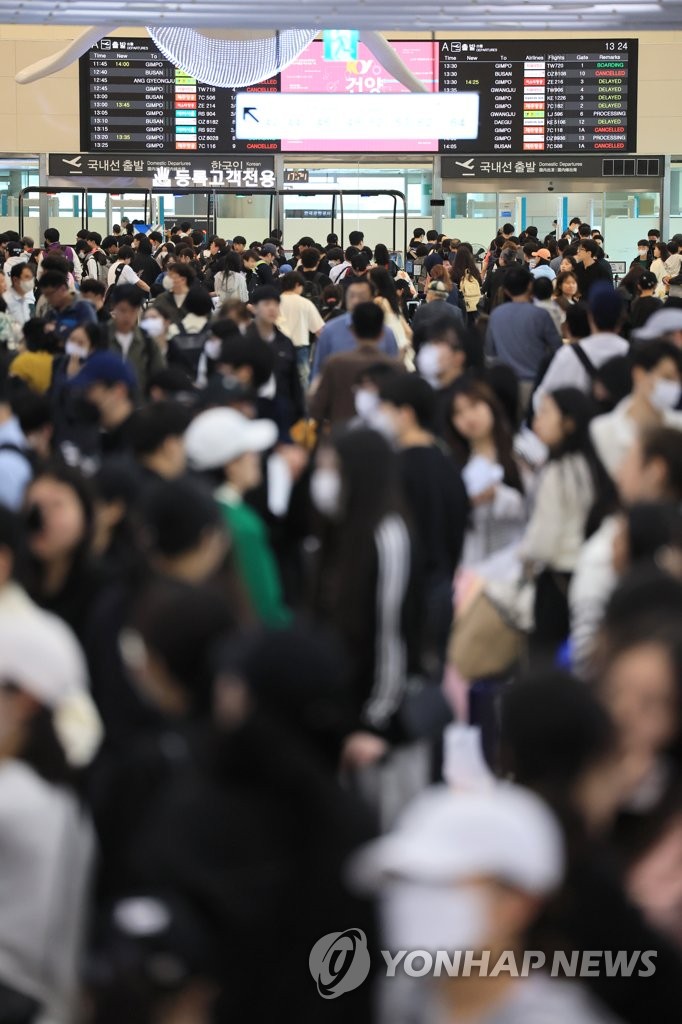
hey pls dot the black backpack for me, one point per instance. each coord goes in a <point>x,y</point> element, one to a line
<point>312,289</point>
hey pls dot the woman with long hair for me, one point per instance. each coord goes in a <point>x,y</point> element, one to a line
<point>383,260</point>
<point>387,298</point>
<point>364,581</point>
<point>661,254</point>
<point>60,519</point>
<point>230,282</point>
<point>572,483</point>
<point>467,277</point>
<point>482,439</point>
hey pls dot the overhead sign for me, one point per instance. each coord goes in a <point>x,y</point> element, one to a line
<point>326,117</point>
<point>525,166</point>
<point>546,95</point>
<point>168,170</point>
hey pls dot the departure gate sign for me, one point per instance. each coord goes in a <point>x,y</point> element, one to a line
<point>574,96</point>
<point>536,97</point>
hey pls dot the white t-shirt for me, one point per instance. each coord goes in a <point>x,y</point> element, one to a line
<point>299,318</point>
<point>127,275</point>
<point>125,341</point>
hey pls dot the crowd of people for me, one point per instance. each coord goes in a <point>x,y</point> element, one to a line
<point>338,594</point>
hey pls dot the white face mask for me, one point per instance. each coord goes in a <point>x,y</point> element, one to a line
<point>213,348</point>
<point>153,326</point>
<point>72,348</point>
<point>325,491</point>
<point>27,286</point>
<point>666,394</point>
<point>428,364</point>
<point>416,915</point>
<point>643,252</point>
<point>167,282</point>
<point>366,403</point>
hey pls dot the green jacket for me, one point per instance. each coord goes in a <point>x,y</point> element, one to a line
<point>255,560</point>
<point>144,355</point>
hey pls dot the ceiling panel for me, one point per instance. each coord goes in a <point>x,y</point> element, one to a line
<point>382,15</point>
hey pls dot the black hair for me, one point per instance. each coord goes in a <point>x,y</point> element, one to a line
<point>542,288</point>
<point>291,281</point>
<point>53,279</point>
<point>553,729</point>
<point>199,302</point>
<point>518,281</point>
<point>359,262</point>
<point>93,287</point>
<point>664,443</point>
<point>356,237</point>
<point>367,321</point>
<point>584,231</point>
<point>128,293</point>
<point>155,423</point>
<point>332,239</point>
<point>239,240</point>
<point>385,287</point>
<point>577,320</point>
<point>652,527</point>
<point>183,270</point>
<point>183,624</point>
<point>126,252</point>
<point>647,355</point>
<point>238,351</point>
<point>376,373</point>
<point>410,390</point>
<point>52,235</point>
<point>17,270</point>
<point>589,245</point>
<point>310,258</point>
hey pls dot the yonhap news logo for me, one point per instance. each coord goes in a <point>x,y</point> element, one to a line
<point>340,962</point>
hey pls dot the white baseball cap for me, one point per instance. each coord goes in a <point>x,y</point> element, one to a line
<point>663,321</point>
<point>40,655</point>
<point>447,836</point>
<point>218,436</point>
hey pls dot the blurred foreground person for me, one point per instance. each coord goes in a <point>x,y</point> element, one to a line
<point>468,872</point>
<point>49,730</point>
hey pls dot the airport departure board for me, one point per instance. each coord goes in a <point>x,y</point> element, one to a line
<point>534,97</point>
<point>576,96</point>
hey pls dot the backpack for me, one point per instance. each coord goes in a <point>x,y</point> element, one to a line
<point>471,290</point>
<point>110,289</point>
<point>102,266</point>
<point>312,290</point>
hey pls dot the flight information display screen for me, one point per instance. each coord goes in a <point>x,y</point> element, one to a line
<point>533,97</point>
<point>575,96</point>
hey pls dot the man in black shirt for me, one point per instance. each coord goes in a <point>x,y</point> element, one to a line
<point>289,405</point>
<point>590,270</point>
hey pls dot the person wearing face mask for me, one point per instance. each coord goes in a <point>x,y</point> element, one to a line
<point>19,297</point>
<point>436,498</point>
<point>366,588</point>
<point>644,259</point>
<point>656,393</point>
<point>333,400</point>
<point>225,441</point>
<point>471,871</point>
<point>367,395</point>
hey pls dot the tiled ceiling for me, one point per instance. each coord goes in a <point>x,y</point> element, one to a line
<point>396,15</point>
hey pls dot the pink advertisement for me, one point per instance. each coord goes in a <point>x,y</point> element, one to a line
<point>310,73</point>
